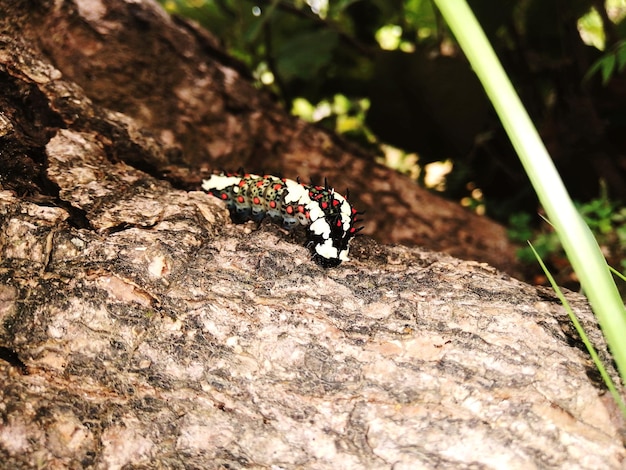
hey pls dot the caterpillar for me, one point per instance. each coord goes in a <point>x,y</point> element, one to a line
<point>328,216</point>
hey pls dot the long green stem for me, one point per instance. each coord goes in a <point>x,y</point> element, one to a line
<point>579,244</point>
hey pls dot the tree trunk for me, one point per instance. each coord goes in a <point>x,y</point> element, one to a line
<point>139,326</point>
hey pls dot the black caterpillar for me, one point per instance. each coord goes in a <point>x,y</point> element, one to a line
<point>328,217</point>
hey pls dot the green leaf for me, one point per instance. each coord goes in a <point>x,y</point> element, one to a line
<point>305,54</point>
<point>620,52</point>
<point>608,66</point>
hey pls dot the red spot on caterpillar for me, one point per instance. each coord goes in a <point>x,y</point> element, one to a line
<point>273,204</point>
<point>289,210</point>
<point>256,200</point>
<point>223,196</point>
<point>336,202</point>
<point>301,209</point>
<point>240,199</point>
<point>338,222</point>
<point>259,184</point>
<point>242,183</point>
<point>324,205</point>
<point>277,186</point>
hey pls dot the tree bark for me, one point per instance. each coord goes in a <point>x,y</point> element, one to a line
<point>138,326</point>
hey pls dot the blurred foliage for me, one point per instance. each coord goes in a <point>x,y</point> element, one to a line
<point>607,221</point>
<point>610,64</point>
<point>388,74</point>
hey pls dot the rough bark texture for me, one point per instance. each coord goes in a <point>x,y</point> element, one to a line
<point>138,327</point>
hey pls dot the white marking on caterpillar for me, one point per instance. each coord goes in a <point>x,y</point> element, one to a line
<point>320,227</point>
<point>326,249</point>
<point>220,182</point>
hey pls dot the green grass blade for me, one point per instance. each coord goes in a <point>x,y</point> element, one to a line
<point>576,238</point>
<point>581,332</point>
<point>618,274</point>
